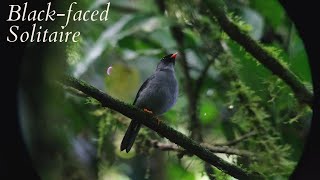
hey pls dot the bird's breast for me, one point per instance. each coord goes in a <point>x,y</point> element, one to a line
<point>160,95</point>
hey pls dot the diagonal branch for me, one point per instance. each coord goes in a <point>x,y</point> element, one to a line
<point>162,129</point>
<point>217,9</point>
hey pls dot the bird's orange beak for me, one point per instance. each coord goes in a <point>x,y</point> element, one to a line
<point>174,55</point>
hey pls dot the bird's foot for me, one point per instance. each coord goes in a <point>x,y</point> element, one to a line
<point>159,120</point>
<point>148,111</point>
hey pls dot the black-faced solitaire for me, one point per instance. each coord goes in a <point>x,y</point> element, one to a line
<point>156,95</point>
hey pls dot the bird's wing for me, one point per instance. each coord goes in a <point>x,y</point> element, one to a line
<point>144,85</point>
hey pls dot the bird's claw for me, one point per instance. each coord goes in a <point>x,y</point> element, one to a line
<point>148,111</point>
<point>159,120</point>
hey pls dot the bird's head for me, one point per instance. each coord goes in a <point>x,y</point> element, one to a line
<point>167,62</point>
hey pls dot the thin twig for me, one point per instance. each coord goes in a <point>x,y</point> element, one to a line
<point>214,149</point>
<point>72,90</point>
<point>227,150</point>
<point>203,75</point>
<point>195,126</point>
<point>238,140</point>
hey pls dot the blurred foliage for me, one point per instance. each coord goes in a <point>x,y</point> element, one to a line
<point>237,96</point>
<point>127,88</point>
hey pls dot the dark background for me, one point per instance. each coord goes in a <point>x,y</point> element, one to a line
<point>14,160</point>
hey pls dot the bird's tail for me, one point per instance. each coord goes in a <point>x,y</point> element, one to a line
<point>130,135</point>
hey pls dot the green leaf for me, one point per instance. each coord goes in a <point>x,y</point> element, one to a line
<point>298,57</point>
<point>251,73</point>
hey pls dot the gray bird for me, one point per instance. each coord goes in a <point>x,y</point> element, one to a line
<point>156,95</point>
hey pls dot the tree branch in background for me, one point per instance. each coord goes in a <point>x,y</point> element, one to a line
<point>203,75</point>
<point>217,9</point>
<point>73,91</point>
<point>162,129</point>
<point>227,150</point>
<point>213,149</point>
<point>238,140</point>
<point>194,126</point>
